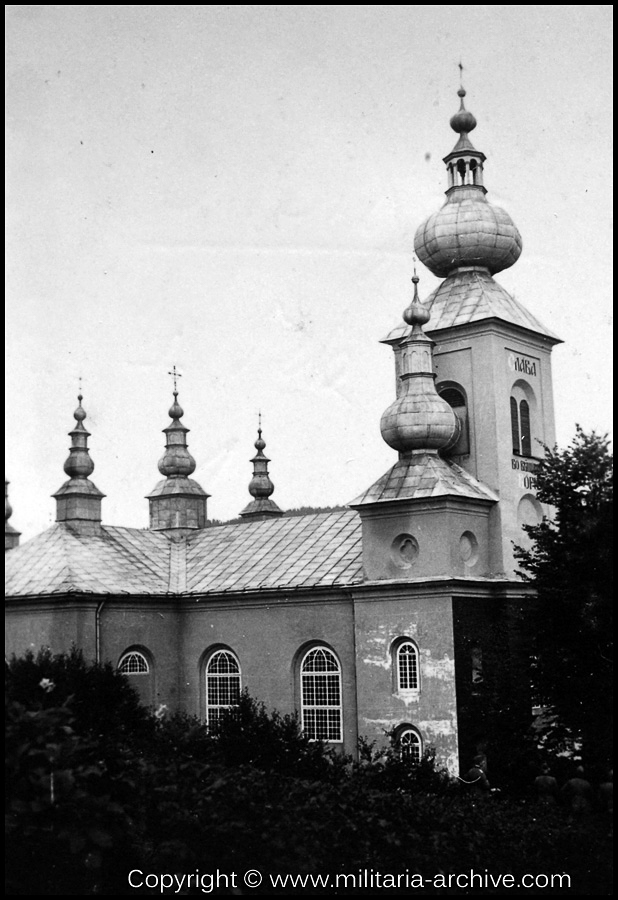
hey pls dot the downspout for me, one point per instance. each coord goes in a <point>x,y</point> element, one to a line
<point>97,631</point>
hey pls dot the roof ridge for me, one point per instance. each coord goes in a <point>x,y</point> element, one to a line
<point>177,583</point>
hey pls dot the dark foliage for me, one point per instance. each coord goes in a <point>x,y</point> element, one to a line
<point>103,703</point>
<point>82,813</point>
<point>570,565</point>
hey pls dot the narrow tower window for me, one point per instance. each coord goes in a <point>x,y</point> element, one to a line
<point>515,426</point>
<point>320,683</point>
<point>222,686</point>
<point>524,424</point>
<point>521,434</point>
<point>456,399</point>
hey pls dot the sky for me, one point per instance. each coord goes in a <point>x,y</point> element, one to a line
<point>234,190</point>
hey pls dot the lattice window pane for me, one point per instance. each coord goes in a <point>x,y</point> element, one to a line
<point>133,664</point>
<point>321,696</point>
<point>222,686</point>
<point>407,658</point>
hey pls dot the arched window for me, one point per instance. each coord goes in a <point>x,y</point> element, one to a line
<point>410,744</point>
<point>320,687</point>
<point>520,428</point>
<point>134,663</point>
<point>406,657</point>
<point>524,424</point>
<point>222,685</point>
<point>138,665</point>
<point>456,399</point>
<point>515,426</point>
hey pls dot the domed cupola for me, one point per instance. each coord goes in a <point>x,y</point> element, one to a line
<point>178,503</point>
<point>176,461</point>
<point>78,501</point>
<point>260,486</point>
<point>419,419</point>
<point>468,232</point>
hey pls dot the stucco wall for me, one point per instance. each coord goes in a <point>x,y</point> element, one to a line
<point>379,621</point>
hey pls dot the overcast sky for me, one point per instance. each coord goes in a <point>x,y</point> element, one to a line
<point>235,190</point>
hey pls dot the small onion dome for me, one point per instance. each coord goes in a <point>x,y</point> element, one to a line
<point>468,231</point>
<point>260,484</point>
<point>176,411</point>
<point>416,313</point>
<point>176,462</point>
<point>78,464</point>
<point>463,122</point>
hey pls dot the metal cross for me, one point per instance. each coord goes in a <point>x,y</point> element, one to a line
<point>174,375</point>
<point>460,65</point>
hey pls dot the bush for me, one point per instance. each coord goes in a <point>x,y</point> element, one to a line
<point>82,812</point>
<point>103,703</point>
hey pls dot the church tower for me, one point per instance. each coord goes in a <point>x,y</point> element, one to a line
<point>427,517</point>
<point>178,502</point>
<point>492,356</point>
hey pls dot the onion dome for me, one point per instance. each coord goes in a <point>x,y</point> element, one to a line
<point>78,463</point>
<point>260,486</point>
<point>176,462</point>
<point>11,535</point>
<point>468,231</point>
<point>419,419</point>
<point>177,503</point>
<point>463,122</point>
<point>79,501</point>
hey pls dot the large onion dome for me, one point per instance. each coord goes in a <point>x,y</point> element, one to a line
<point>468,231</point>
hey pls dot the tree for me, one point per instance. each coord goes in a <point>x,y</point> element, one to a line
<point>570,564</point>
<point>103,702</point>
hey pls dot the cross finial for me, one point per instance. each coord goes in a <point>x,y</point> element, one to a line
<point>80,385</point>
<point>260,420</point>
<point>174,375</point>
<point>461,68</point>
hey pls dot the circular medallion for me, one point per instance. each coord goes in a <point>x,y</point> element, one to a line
<point>468,548</point>
<point>404,551</point>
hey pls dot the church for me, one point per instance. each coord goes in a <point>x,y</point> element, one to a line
<point>393,616</point>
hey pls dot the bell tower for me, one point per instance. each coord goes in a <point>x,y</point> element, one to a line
<point>492,356</point>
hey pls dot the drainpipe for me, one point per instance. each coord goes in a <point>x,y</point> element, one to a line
<point>97,631</point>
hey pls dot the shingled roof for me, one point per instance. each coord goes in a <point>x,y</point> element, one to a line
<point>322,549</point>
<point>422,476</point>
<point>472,295</point>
